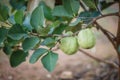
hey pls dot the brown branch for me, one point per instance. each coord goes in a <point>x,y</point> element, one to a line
<point>98,59</point>
<point>118,38</point>
<point>106,34</point>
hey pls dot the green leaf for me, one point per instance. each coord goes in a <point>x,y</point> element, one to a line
<point>11,19</point>
<point>60,29</point>
<point>50,42</point>
<point>49,61</point>
<point>3,34</point>
<point>7,49</point>
<point>30,43</point>
<point>17,57</point>
<point>12,42</point>
<point>37,18</point>
<point>18,4</point>
<point>60,12</point>
<point>71,6</point>
<point>47,11</point>
<point>4,12</point>
<point>26,23</point>
<point>90,4</point>
<point>19,16</point>
<point>87,16</point>
<point>77,21</point>
<point>53,26</point>
<point>44,31</point>
<point>16,32</point>
<point>37,54</point>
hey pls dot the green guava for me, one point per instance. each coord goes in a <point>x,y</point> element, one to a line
<point>86,39</point>
<point>69,45</point>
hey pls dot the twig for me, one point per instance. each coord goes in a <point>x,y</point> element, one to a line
<point>97,59</point>
<point>108,36</point>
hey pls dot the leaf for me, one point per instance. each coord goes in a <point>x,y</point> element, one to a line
<point>50,42</point>
<point>19,16</point>
<point>7,49</point>
<point>26,23</point>
<point>37,18</point>
<point>77,21</point>
<point>17,57</point>
<point>11,19</point>
<point>12,42</point>
<point>16,32</point>
<point>87,16</point>
<point>47,11</point>
<point>18,4</point>
<point>90,4</point>
<point>71,6</point>
<point>60,12</point>
<point>53,26</point>
<point>44,31</point>
<point>49,61</point>
<point>4,12</point>
<point>37,54</point>
<point>60,29</point>
<point>30,43</point>
<point>3,34</point>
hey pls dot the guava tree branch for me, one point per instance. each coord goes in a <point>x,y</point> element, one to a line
<point>118,38</point>
<point>98,59</point>
<point>105,33</point>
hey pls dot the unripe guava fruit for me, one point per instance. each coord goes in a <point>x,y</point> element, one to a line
<point>69,45</point>
<point>86,39</point>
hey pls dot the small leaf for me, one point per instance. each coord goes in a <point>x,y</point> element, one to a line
<point>11,19</point>
<point>16,32</point>
<point>50,42</point>
<point>60,29</point>
<point>17,57</point>
<point>19,17</point>
<point>49,61</point>
<point>12,42</point>
<point>71,6</point>
<point>47,11</point>
<point>77,21</point>
<point>7,49</point>
<point>60,12</point>
<point>3,34</point>
<point>26,23</point>
<point>90,4</point>
<point>37,54</point>
<point>17,4</point>
<point>30,43</point>
<point>4,12</point>
<point>87,16</point>
<point>37,18</point>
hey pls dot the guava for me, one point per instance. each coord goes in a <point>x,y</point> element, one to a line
<point>86,39</point>
<point>69,45</point>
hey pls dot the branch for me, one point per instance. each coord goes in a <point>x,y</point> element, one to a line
<point>99,60</point>
<point>107,35</point>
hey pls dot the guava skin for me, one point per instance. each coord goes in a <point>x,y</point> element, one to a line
<point>86,39</point>
<point>69,45</point>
